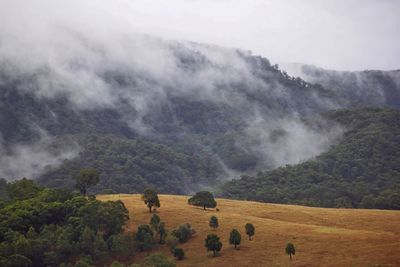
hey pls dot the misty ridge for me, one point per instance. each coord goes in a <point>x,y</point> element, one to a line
<point>234,112</point>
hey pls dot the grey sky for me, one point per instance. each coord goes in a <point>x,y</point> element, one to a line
<point>341,34</point>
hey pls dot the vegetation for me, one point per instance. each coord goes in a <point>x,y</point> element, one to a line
<point>212,243</point>
<point>41,226</point>
<point>183,233</point>
<point>157,260</point>
<point>360,171</point>
<point>85,179</point>
<point>250,230</point>
<point>179,253</point>
<point>235,238</point>
<point>290,250</point>
<point>213,222</point>
<point>144,237</point>
<point>203,199</point>
<point>150,198</point>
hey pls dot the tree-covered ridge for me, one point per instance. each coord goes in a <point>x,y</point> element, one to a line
<point>362,170</point>
<point>131,165</point>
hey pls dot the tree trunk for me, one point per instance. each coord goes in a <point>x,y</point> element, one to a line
<point>150,209</point>
<point>235,246</point>
<point>250,237</point>
<point>214,253</point>
<point>290,254</point>
<point>204,207</point>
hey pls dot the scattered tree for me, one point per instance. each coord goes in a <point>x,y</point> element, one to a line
<point>85,179</point>
<point>150,198</point>
<point>144,237</point>
<point>290,250</point>
<point>235,238</point>
<point>250,230</point>
<point>179,253</point>
<point>214,222</point>
<point>183,233</point>
<point>212,243</point>
<point>155,222</point>
<point>203,199</point>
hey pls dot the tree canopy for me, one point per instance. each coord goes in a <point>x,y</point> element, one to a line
<point>86,178</point>
<point>203,199</point>
<point>150,198</point>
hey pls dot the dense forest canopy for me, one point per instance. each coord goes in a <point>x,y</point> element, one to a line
<point>362,170</point>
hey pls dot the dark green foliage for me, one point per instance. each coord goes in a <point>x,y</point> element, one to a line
<point>360,171</point>
<point>203,199</point>
<point>162,231</point>
<point>183,233</point>
<point>54,226</point>
<point>155,221</point>
<point>22,189</point>
<point>157,260</point>
<point>86,178</point>
<point>179,253</point>
<point>144,237</point>
<point>250,230</point>
<point>290,250</point>
<point>214,222</point>
<point>213,244</point>
<point>18,260</point>
<point>235,238</point>
<point>130,165</point>
<point>150,198</point>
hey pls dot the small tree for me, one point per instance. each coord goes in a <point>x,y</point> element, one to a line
<point>250,230</point>
<point>144,237</point>
<point>235,238</point>
<point>150,198</point>
<point>179,253</point>
<point>290,250</point>
<point>155,222</point>
<point>203,199</point>
<point>213,244</point>
<point>183,233</point>
<point>213,222</point>
<point>85,179</point>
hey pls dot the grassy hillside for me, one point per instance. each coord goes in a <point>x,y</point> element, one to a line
<point>361,170</point>
<point>323,237</point>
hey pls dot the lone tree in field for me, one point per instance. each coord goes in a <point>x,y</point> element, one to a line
<point>250,230</point>
<point>203,199</point>
<point>235,238</point>
<point>213,244</point>
<point>150,198</point>
<point>290,250</point>
<point>214,222</point>
<point>85,179</point>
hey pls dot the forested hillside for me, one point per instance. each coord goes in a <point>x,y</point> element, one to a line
<point>362,170</point>
<point>203,114</point>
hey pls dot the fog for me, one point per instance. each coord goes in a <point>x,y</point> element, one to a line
<point>103,54</point>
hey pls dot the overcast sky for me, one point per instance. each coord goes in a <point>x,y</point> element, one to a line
<point>340,34</point>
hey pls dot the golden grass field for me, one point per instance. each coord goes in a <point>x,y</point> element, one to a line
<point>322,237</point>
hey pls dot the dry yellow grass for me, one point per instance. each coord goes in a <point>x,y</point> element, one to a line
<point>322,237</point>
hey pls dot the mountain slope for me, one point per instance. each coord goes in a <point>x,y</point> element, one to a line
<point>362,88</point>
<point>362,170</point>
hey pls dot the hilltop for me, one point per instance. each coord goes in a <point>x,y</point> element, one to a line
<point>323,237</point>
